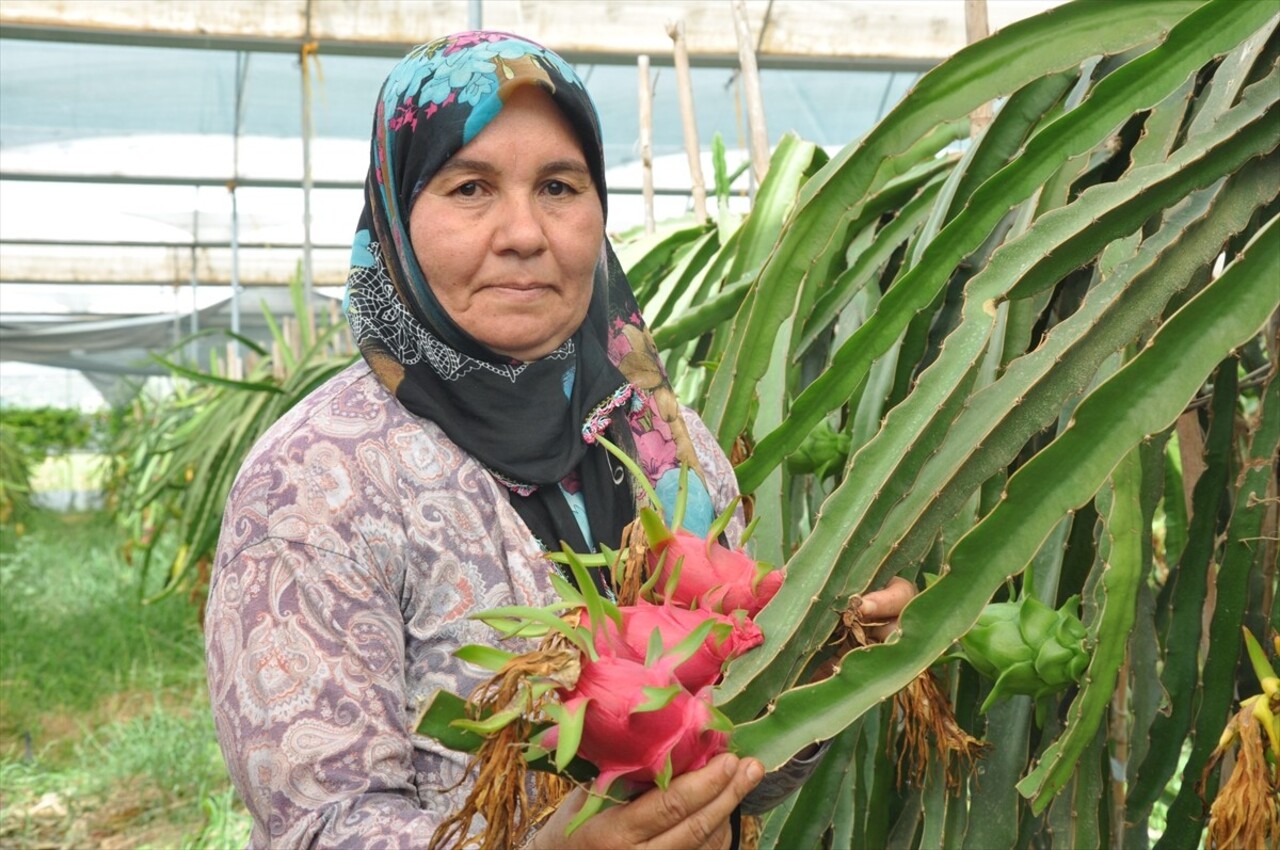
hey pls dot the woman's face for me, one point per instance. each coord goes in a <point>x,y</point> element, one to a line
<point>509,230</point>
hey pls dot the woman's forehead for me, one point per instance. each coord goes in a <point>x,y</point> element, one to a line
<point>530,124</point>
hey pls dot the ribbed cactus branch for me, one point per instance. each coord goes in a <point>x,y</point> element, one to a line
<point>1218,678</point>
<point>1149,393</point>
<point>977,443</point>
<point>1142,83</point>
<point>1109,633</point>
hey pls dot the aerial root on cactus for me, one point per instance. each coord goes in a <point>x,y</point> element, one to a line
<point>500,792</point>
<point>929,726</point>
<point>929,730</point>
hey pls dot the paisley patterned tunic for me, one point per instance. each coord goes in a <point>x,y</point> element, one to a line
<point>356,540</point>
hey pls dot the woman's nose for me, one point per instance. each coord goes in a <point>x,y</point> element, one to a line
<point>520,227</point>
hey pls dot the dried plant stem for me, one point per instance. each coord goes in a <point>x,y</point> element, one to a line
<point>976,28</point>
<point>629,576</point>
<point>751,85</point>
<point>1246,811</point>
<point>646,139</point>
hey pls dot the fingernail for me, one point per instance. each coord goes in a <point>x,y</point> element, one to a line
<point>755,770</point>
<point>729,765</point>
<point>868,610</point>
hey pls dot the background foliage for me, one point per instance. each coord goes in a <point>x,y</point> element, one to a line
<point>1034,367</point>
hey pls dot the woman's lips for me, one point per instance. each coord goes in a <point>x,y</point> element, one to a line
<point>522,291</point>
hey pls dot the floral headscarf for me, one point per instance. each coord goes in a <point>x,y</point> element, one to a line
<point>533,424</point>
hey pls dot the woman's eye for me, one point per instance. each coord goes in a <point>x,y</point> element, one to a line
<point>557,188</point>
<point>469,189</point>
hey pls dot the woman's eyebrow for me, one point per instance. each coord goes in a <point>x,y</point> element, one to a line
<point>561,165</point>
<point>473,165</point>
<point>480,166</point>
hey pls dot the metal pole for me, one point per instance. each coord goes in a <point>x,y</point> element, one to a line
<point>309,48</point>
<point>242,74</point>
<point>235,263</point>
<point>475,15</point>
<point>195,281</point>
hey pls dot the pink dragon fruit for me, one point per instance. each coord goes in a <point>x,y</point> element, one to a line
<point>731,637</point>
<point>636,723</point>
<point>701,573</point>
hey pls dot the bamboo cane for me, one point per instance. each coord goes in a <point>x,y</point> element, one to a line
<point>751,85</point>
<point>646,139</point>
<point>684,85</point>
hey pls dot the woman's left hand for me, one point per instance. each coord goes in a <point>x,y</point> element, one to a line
<point>884,605</point>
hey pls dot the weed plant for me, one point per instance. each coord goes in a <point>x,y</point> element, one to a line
<point>106,738</point>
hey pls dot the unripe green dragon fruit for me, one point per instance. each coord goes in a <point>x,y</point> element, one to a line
<point>823,452</point>
<point>1027,647</point>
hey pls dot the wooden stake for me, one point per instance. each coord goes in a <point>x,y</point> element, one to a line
<point>976,28</point>
<point>684,85</point>
<point>235,370</point>
<point>751,85</point>
<point>646,139</point>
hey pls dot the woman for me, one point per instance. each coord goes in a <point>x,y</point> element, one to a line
<point>499,336</point>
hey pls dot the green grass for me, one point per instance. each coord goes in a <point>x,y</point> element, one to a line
<point>104,714</point>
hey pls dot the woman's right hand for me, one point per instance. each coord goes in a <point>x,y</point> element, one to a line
<point>692,814</point>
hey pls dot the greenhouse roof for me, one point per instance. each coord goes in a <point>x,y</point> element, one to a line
<point>152,151</point>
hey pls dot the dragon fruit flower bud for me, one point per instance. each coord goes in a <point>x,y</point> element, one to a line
<point>731,637</point>
<point>639,724</point>
<point>694,572</point>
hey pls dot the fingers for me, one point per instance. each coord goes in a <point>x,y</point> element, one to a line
<point>884,605</point>
<point>694,810</point>
<point>692,814</point>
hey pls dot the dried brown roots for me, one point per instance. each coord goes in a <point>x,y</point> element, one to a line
<point>500,793</point>
<point>929,726</point>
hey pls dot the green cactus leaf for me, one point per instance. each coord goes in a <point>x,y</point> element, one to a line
<point>590,596</point>
<point>547,619</point>
<point>682,497</point>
